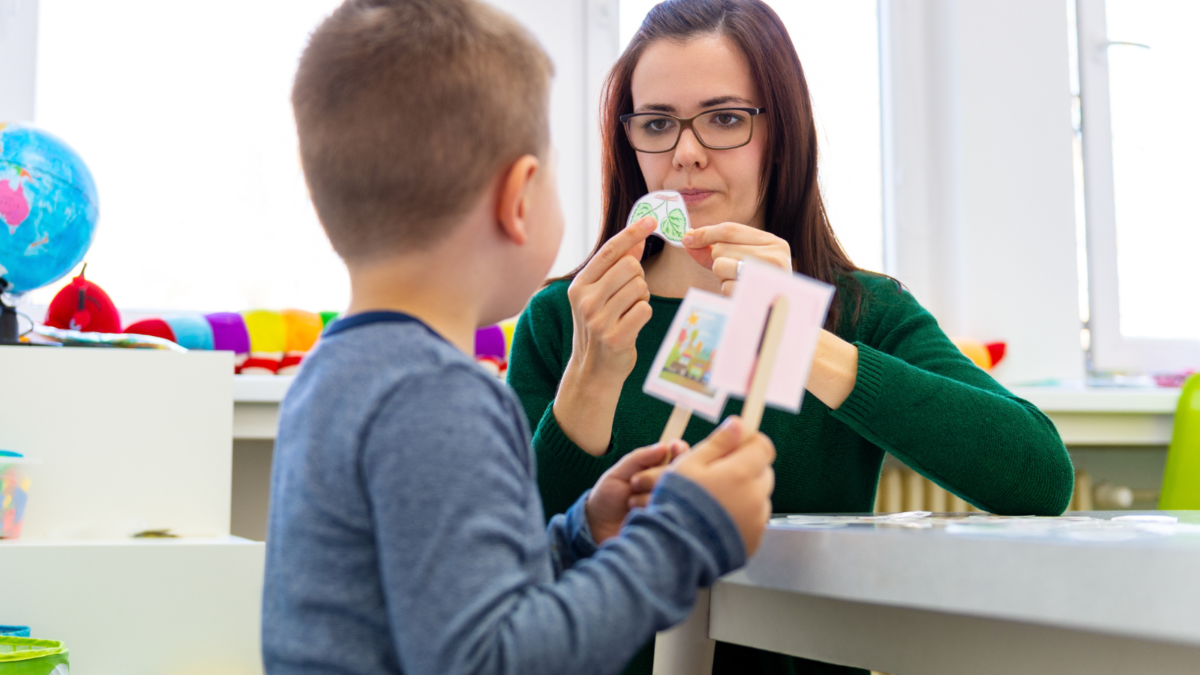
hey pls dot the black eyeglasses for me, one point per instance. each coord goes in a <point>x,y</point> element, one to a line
<point>721,129</point>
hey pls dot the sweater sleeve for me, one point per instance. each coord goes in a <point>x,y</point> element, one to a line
<point>466,582</point>
<point>919,398</point>
<point>540,351</point>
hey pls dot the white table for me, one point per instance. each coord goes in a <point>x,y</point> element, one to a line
<point>927,602</point>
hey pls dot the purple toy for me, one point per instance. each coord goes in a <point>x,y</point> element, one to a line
<point>229,332</point>
<point>490,342</point>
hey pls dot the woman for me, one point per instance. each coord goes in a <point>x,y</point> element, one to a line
<point>709,99</point>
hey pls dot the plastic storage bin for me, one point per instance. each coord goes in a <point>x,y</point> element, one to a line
<point>14,631</point>
<point>14,493</point>
<point>29,656</point>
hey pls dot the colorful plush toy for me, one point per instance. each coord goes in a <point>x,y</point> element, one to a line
<point>264,342</point>
<point>82,305</point>
<point>267,341</point>
<point>493,345</point>
<point>300,332</point>
<point>986,356</point>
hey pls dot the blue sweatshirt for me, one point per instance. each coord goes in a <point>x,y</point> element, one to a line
<point>406,532</point>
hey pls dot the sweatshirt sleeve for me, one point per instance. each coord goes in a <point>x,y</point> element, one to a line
<point>467,574</point>
<point>570,536</point>
<point>540,351</point>
<point>919,398</point>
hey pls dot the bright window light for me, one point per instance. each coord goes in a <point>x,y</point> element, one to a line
<point>182,112</point>
<point>1155,142</point>
<point>838,44</point>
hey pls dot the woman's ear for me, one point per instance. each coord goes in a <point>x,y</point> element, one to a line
<point>512,208</point>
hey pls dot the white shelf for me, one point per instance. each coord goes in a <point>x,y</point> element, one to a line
<point>1084,416</point>
<point>260,388</point>
<point>140,605</point>
<point>1065,399</point>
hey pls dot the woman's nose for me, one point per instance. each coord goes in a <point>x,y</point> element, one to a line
<point>689,152</point>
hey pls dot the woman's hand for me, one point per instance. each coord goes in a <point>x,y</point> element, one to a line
<point>720,247</point>
<point>609,306</point>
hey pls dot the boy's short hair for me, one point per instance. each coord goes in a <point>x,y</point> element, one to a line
<point>406,110</point>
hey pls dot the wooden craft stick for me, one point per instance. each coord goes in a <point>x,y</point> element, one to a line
<point>676,425</point>
<point>752,411</point>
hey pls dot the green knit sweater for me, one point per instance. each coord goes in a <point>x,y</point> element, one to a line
<point>916,396</point>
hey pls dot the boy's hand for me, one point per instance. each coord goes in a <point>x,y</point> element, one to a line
<point>736,472</point>
<point>613,495</point>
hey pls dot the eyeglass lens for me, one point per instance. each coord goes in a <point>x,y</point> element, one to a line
<point>716,129</point>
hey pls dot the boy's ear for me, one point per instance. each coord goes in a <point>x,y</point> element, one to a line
<point>512,209</point>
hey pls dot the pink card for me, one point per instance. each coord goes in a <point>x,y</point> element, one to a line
<point>808,301</point>
<point>681,373</point>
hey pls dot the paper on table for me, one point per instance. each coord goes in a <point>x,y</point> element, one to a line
<point>668,210</point>
<point>757,288</point>
<point>681,372</point>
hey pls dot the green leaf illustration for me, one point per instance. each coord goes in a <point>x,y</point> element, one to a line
<point>675,225</point>
<point>640,211</point>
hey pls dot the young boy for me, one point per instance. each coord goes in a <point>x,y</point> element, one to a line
<point>406,533</point>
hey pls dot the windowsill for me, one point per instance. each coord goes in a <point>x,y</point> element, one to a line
<point>1084,416</point>
<point>1081,399</point>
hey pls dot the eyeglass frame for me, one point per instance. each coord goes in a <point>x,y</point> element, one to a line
<point>686,123</point>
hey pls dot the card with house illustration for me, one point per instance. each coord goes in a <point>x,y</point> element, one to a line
<point>681,373</point>
<point>668,210</point>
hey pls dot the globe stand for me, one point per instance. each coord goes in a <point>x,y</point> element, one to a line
<point>10,331</point>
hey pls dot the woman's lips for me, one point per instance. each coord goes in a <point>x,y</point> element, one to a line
<point>691,197</point>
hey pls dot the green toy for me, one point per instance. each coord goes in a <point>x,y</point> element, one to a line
<point>30,656</point>
<point>1181,478</point>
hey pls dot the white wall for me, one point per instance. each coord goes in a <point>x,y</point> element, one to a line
<point>18,52</point>
<point>979,208</point>
<point>581,37</point>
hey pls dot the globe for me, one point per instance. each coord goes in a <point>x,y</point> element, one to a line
<point>48,207</point>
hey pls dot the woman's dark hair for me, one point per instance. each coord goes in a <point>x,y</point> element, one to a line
<point>794,209</point>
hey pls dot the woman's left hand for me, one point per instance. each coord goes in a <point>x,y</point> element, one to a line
<point>720,247</point>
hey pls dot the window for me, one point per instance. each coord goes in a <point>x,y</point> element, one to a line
<point>1137,68</point>
<point>182,112</point>
<point>838,44</point>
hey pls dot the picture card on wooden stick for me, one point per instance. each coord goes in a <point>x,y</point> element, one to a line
<point>681,372</point>
<point>668,210</point>
<point>758,286</point>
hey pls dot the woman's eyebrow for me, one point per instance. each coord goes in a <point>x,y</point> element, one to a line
<point>708,103</point>
<point>722,100</point>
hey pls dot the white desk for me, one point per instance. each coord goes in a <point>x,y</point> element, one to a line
<point>1125,417</point>
<point>927,602</point>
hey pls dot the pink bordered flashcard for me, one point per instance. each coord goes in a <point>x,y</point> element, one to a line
<point>681,373</point>
<point>668,210</point>
<point>758,288</point>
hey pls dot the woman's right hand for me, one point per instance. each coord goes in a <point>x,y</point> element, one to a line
<point>609,306</point>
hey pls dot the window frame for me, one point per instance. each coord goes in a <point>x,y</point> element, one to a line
<point>1110,350</point>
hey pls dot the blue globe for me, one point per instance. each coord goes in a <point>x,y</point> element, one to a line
<point>48,207</point>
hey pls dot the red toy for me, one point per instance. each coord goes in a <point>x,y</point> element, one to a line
<point>82,305</point>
